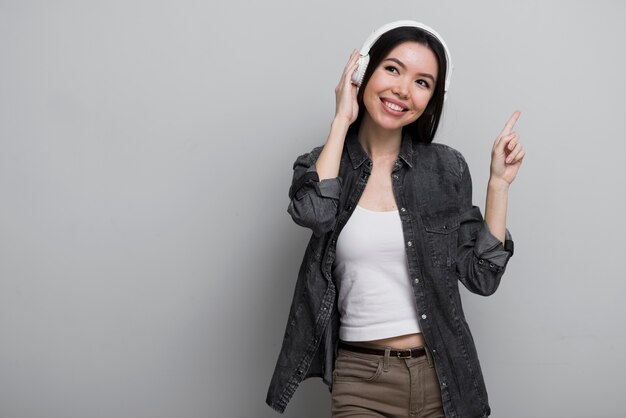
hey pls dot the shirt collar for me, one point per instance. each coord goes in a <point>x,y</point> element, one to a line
<point>358,155</point>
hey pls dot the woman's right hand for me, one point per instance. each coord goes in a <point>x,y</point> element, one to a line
<point>346,106</point>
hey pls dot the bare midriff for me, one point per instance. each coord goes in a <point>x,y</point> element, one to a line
<point>401,341</point>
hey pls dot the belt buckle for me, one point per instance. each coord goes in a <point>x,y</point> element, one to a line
<point>400,353</point>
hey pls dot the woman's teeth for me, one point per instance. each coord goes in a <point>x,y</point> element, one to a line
<point>393,106</point>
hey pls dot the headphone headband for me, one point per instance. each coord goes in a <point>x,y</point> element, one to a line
<point>358,75</point>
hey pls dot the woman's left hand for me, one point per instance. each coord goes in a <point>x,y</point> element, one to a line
<point>507,153</point>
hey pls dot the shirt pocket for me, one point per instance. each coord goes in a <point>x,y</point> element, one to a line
<point>442,236</point>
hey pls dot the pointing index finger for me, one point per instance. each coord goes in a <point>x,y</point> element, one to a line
<point>508,127</point>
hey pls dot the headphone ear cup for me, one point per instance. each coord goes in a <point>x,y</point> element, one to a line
<point>359,73</point>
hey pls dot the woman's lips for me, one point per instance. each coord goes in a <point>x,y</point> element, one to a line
<point>393,107</point>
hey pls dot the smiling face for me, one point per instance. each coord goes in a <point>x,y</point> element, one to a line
<point>400,87</point>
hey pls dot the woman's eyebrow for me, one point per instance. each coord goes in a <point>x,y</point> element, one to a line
<point>401,64</point>
<point>397,61</point>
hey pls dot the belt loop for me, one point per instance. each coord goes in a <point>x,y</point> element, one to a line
<point>429,356</point>
<point>386,359</point>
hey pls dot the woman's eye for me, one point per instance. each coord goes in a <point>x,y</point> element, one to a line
<point>423,83</point>
<point>391,68</point>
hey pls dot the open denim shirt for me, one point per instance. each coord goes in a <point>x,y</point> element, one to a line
<point>446,241</point>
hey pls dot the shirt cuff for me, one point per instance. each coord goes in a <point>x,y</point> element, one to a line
<point>491,249</point>
<point>330,188</point>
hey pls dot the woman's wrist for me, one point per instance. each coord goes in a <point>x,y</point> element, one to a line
<point>498,185</point>
<point>338,131</point>
<point>340,124</point>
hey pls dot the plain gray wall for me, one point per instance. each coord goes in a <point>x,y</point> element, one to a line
<point>147,261</point>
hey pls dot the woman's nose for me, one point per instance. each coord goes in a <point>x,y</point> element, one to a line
<point>400,89</point>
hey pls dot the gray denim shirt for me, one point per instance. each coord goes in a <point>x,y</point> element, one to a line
<point>446,241</point>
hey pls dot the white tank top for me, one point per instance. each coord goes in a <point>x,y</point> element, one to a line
<point>375,294</point>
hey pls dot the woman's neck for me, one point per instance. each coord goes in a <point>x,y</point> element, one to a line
<point>379,142</point>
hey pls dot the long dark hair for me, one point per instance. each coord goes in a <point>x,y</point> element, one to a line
<point>425,127</point>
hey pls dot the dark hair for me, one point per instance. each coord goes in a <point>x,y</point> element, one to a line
<point>424,128</point>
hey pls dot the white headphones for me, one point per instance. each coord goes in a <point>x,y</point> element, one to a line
<point>364,58</point>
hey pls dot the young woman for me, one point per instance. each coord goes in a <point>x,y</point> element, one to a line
<point>376,311</point>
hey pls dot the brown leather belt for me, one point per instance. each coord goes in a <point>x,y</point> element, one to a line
<point>402,353</point>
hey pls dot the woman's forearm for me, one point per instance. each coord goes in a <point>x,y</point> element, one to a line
<point>495,208</point>
<point>327,164</point>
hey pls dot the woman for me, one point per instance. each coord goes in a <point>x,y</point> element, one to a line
<point>376,311</point>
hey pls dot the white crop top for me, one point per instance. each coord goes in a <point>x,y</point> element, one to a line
<point>375,294</point>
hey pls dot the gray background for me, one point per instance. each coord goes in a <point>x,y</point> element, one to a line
<point>147,261</point>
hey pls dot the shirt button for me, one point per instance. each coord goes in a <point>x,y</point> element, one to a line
<point>395,177</point>
<point>417,281</point>
<point>402,209</point>
<point>424,316</point>
<point>410,243</point>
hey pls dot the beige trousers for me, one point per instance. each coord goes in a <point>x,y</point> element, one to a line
<point>369,385</point>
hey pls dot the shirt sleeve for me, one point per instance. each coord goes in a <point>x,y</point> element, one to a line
<point>481,257</point>
<point>313,203</point>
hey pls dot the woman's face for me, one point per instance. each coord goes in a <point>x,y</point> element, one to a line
<point>400,87</point>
